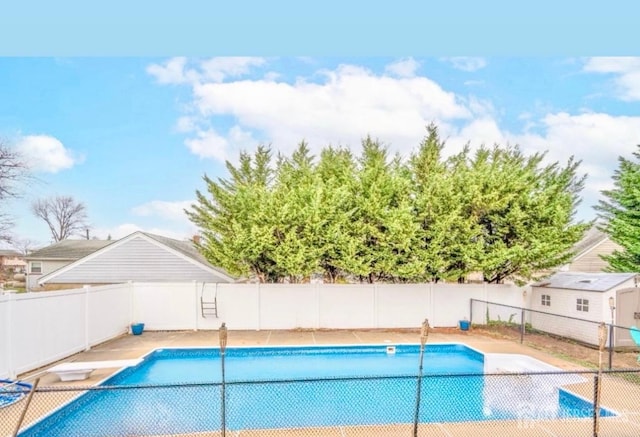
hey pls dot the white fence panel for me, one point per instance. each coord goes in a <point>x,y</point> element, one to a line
<point>39,328</point>
<point>403,306</point>
<point>451,302</point>
<point>165,306</point>
<point>347,306</point>
<point>288,306</point>
<point>5,340</point>
<point>506,294</point>
<point>239,306</point>
<point>108,312</point>
<point>46,327</point>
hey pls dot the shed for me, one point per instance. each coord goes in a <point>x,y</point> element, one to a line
<point>572,304</point>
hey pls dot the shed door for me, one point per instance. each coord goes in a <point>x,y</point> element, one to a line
<point>627,314</point>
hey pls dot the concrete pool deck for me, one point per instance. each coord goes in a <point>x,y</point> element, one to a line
<point>620,395</point>
<point>136,346</point>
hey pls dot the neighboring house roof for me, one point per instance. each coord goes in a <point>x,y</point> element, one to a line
<point>14,262</point>
<point>12,253</point>
<point>164,250</point>
<point>585,281</point>
<point>592,238</point>
<point>68,250</point>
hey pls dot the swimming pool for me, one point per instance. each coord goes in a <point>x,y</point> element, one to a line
<point>179,391</point>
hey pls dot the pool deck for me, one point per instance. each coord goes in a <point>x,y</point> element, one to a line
<point>131,347</point>
<point>136,346</point>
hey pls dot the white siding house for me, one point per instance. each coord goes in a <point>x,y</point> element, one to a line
<point>582,296</point>
<point>53,257</point>
<point>139,257</point>
<point>588,251</point>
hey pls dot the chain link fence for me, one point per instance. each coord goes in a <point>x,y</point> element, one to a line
<point>523,404</point>
<point>520,323</point>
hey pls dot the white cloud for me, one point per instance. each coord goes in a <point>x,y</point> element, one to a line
<point>403,68</point>
<point>171,72</point>
<point>350,103</point>
<point>186,124</point>
<point>173,211</point>
<point>209,144</point>
<point>626,70</point>
<point>218,69</point>
<point>45,153</point>
<point>175,71</point>
<point>466,63</point>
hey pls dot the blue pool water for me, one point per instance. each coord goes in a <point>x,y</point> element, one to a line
<point>179,391</point>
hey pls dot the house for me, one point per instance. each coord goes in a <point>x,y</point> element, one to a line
<point>588,250</point>
<point>594,297</point>
<point>51,258</point>
<point>12,262</point>
<point>139,257</point>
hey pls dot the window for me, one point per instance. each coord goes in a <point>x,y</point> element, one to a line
<point>582,305</point>
<point>36,267</point>
<point>546,300</point>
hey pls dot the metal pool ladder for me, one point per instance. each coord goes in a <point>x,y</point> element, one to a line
<point>209,308</point>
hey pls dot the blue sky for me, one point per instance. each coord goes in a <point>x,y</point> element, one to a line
<point>132,137</point>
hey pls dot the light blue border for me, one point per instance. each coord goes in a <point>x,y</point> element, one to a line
<point>318,28</point>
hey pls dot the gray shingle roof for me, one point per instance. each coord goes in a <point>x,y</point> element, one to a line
<point>69,249</point>
<point>592,237</point>
<point>9,252</point>
<point>187,248</point>
<point>585,281</point>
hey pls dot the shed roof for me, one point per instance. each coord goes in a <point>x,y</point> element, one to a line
<point>69,249</point>
<point>585,281</point>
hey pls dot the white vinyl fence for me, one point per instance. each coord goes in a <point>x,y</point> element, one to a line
<point>39,328</point>
<point>42,327</point>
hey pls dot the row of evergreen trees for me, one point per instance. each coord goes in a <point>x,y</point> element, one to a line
<point>377,217</point>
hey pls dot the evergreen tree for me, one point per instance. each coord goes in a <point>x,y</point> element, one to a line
<point>525,211</point>
<point>296,216</point>
<point>235,221</point>
<point>384,232</point>
<point>378,218</point>
<point>336,171</point>
<point>620,213</point>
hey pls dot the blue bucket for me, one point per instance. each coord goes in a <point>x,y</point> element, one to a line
<point>137,328</point>
<point>464,325</point>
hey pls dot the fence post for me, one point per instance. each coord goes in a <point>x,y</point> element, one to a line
<point>9,333</point>
<point>471,311</point>
<point>610,346</point>
<point>596,383</point>
<point>522,327</point>
<point>87,318</point>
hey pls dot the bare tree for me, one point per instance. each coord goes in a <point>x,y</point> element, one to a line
<point>24,245</point>
<point>64,215</point>
<point>13,170</point>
